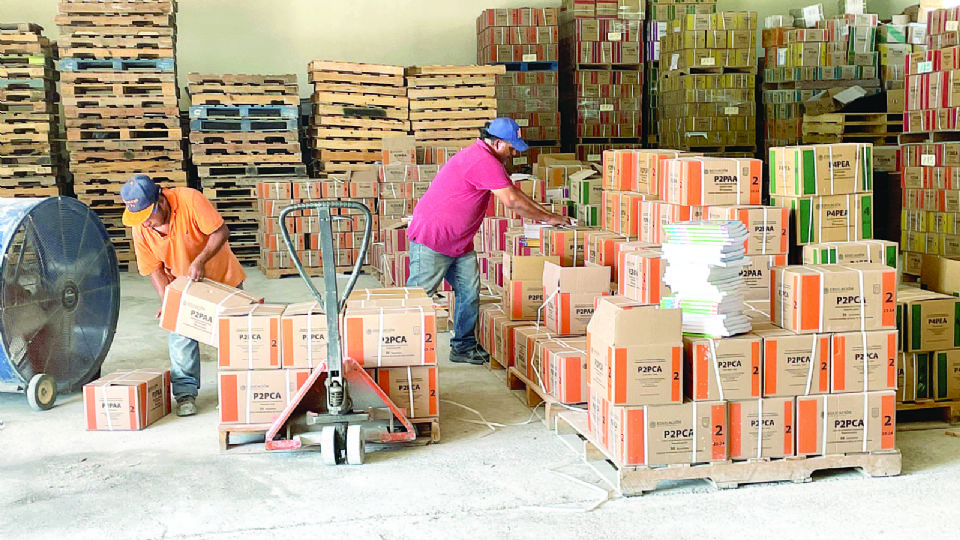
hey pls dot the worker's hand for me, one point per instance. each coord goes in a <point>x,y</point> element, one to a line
<point>196,271</point>
<point>159,310</point>
<point>557,220</point>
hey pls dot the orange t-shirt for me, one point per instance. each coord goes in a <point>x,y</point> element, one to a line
<point>192,220</point>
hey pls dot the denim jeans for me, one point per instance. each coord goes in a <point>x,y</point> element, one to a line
<point>428,269</point>
<point>184,365</point>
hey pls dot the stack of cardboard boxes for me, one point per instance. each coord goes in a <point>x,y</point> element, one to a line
<point>601,90</point>
<point>525,40</point>
<point>929,361</point>
<point>708,88</point>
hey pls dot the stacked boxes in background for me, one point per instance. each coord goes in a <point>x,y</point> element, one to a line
<point>30,156</point>
<point>601,83</point>
<point>449,104</point>
<point>119,94</point>
<point>243,127</point>
<point>354,107</point>
<point>659,15</point>
<point>708,85</point>
<point>929,361</point>
<point>525,41</point>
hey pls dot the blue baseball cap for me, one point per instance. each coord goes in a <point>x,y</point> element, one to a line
<point>140,195</point>
<point>508,130</point>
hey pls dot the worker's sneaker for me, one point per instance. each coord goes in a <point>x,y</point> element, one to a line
<point>186,406</point>
<point>477,357</point>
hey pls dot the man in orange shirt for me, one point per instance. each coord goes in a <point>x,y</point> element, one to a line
<point>177,232</point>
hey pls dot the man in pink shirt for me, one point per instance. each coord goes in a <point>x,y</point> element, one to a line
<point>449,215</point>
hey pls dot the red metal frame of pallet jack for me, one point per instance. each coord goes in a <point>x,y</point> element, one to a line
<point>354,375</point>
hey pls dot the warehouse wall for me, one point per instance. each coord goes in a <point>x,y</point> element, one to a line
<point>281,36</point>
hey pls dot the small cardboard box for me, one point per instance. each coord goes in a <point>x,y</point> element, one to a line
<point>756,275</point>
<point>928,321</point>
<point>842,423</point>
<point>190,308</point>
<point>258,395</point>
<point>761,428</point>
<point>833,298</point>
<point>413,389</point>
<point>693,432</point>
<point>849,363</point>
<point>569,295</point>
<point>524,340</point>
<point>834,218</point>
<point>505,332</point>
<point>565,370</point>
<point>525,268</point>
<point>390,336</point>
<point>522,299</point>
<point>821,169</point>
<point>127,399</point>
<point>862,251</point>
<point>399,149</point>
<point>767,227</point>
<point>303,331</point>
<point>794,364</point>
<point>702,181</point>
<point>940,274</point>
<point>568,244</point>
<point>249,337</point>
<point>946,375</point>
<point>728,368</point>
<point>636,375</point>
<point>641,276</point>
<point>621,322</point>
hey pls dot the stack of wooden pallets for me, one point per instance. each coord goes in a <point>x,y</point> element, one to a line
<point>243,128</point>
<point>30,163</point>
<point>449,104</point>
<point>355,107</point>
<point>119,93</point>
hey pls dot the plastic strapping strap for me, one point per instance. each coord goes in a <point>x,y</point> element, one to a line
<point>410,391</point>
<point>380,337</point>
<point>716,367</point>
<point>861,149</point>
<point>823,450</point>
<point>759,428</point>
<point>820,292</point>
<point>646,439</point>
<point>866,409</point>
<point>739,180</point>
<point>813,364</point>
<point>763,239</point>
<point>250,394</point>
<point>250,337</point>
<point>693,443</point>
<point>833,189</point>
<point>545,303</point>
<point>423,334</point>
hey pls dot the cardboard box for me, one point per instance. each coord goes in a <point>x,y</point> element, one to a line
<point>641,276</point>
<point>127,399</point>
<point>524,338</point>
<point>717,369</point>
<point>257,396</point>
<point>249,337</point>
<point>390,336</point>
<point>191,308</point>
<point>399,149</point>
<point>842,423</point>
<point>853,371</point>
<point>761,428</point>
<point>915,376</point>
<point>946,375</point>
<point>522,299</point>
<point>566,243</point>
<point>567,370</point>
<point>525,268</point>
<point>794,364</point>
<point>834,218</point>
<point>303,331</point>
<point>694,432</point>
<point>505,332</point>
<point>766,226</point>
<point>621,322</point>
<point>569,295</point>
<point>413,389</point>
<point>940,274</point>
<point>702,181</point>
<point>821,169</point>
<point>756,275</point>
<point>862,251</point>
<point>928,321</point>
<point>833,298</point>
<point>636,375</point>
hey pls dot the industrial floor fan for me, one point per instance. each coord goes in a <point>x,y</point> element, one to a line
<point>59,297</point>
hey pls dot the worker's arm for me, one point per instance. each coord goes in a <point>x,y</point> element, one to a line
<point>160,278</point>
<point>521,203</point>
<point>215,241</point>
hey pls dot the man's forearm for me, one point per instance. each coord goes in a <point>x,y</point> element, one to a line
<point>160,279</point>
<point>214,242</point>
<point>528,208</point>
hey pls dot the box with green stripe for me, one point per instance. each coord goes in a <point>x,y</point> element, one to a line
<point>862,251</point>
<point>928,321</point>
<point>913,376</point>
<point>945,378</point>
<point>821,169</point>
<point>834,218</point>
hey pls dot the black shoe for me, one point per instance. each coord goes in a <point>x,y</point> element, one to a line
<point>186,406</point>
<point>475,357</point>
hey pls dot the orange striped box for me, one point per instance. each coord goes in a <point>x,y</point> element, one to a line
<point>849,363</point>
<point>274,190</point>
<point>630,212</point>
<point>190,308</point>
<point>766,226</point>
<point>650,172</point>
<point>249,337</point>
<point>846,423</point>
<point>413,389</point>
<point>569,295</point>
<point>504,339</point>
<point>794,364</point>
<point>522,299</point>
<point>702,181</point>
<point>274,242</point>
<point>834,298</point>
<point>640,276</point>
<point>637,375</point>
<point>127,399</point>
<point>694,432</point>
<point>761,428</point>
<point>728,368</point>
<point>568,244</point>
<point>303,334</point>
<point>334,189</point>
<point>598,416</point>
<point>307,190</point>
<point>524,345</point>
<point>390,336</point>
<point>565,370</point>
<point>258,395</point>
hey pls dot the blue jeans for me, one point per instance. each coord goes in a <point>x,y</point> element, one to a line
<point>428,269</point>
<point>184,365</point>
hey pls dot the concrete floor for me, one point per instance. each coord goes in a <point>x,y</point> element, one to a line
<point>58,480</point>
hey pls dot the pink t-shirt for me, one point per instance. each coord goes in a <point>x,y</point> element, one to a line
<point>450,213</point>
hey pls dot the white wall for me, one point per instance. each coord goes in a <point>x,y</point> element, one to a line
<point>282,36</point>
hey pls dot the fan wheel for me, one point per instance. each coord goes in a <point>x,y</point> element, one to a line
<point>42,392</point>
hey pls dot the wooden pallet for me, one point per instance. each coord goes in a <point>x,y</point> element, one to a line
<point>451,81</point>
<point>251,160</point>
<point>91,21</point>
<point>241,79</point>
<point>52,191</point>
<point>103,41</point>
<point>214,149</point>
<point>397,103</point>
<point>164,101</point>
<point>390,126</point>
<point>117,123</point>
<point>120,112</point>
<point>123,134</point>
<point>364,89</point>
<point>116,6</point>
<point>116,145</point>
<point>211,171</point>
<point>446,70</point>
<point>949,410</point>
<point>637,480</point>
<point>241,139</point>
<point>116,52</point>
<point>530,394</point>
<point>146,89</point>
<point>78,82</point>
<point>219,98</point>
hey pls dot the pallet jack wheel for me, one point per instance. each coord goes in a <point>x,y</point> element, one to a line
<point>41,392</point>
<point>330,447</point>
<point>356,448</point>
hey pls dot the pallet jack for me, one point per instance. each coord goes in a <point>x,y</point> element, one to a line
<point>353,409</point>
